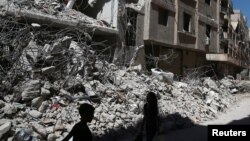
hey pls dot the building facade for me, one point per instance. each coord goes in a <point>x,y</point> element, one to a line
<point>197,32</point>
<point>233,55</point>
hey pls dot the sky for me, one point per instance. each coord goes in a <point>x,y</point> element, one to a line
<point>244,6</point>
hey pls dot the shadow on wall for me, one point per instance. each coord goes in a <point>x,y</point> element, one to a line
<point>172,128</point>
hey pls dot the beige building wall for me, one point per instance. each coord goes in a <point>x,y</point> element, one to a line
<point>186,36</point>
<point>209,9</point>
<point>208,23</point>
<point>157,28</point>
<point>207,44</point>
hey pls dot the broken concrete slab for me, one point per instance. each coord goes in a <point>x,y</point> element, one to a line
<point>35,114</point>
<point>210,84</point>
<point>36,102</point>
<point>4,128</point>
<point>9,109</point>
<point>89,90</point>
<point>57,21</point>
<point>32,89</point>
<point>45,92</point>
<point>44,106</point>
<point>162,76</point>
<point>28,57</point>
<point>39,129</point>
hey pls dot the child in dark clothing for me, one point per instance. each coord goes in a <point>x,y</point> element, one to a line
<point>80,131</point>
<point>151,116</point>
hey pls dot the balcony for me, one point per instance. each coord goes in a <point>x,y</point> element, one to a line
<point>223,58</point>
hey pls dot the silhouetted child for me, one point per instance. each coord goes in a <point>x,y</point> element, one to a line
<point>151,116</point>
<point>80,131</point>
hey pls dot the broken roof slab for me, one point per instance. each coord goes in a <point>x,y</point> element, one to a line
<point>65,19</point>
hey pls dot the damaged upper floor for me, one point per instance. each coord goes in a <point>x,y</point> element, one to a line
<point>98,16</point>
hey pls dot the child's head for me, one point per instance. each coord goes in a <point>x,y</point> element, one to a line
<point>86,112</point>
<point>152,103</point>
<point>151,97</point>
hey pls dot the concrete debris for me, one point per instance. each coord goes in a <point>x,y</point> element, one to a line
<point>45,92</point>
<point>35,114</point>
<point>48,70</point>
<point>51,137</point>
<point>227,82</point>
<point>39,129</point>
<point>43,98</point>
<point>233,91</point>
<point>210,84</point>
<point>89,91</point>
<point>136,6</point>
<point>44,106</point>
<point>4,128</point>
<point>244,86</point>
<point>36,102</point>
<point>23,134</point>
<point>9,109</point>
<point>59,125</point>
<point>28,57</point>
<point>50,10</point>
<point>163,76</point>
<point>31,90</point>
<point>36,25</point>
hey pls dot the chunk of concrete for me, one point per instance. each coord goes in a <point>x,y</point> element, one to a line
<point>48,70</point>
<point>162,76</point>
<point>31,90</point>
<point>89,90</point>
<point>4,128</point>
<point>39,129</point>
<point>35,114</point>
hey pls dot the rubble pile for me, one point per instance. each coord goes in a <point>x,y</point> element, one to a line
<point>50,8</point>
<point>48,74</point>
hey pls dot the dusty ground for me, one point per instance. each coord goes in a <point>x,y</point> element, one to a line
<point>237,114</point>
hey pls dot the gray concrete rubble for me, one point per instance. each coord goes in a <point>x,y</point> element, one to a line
<point>121,103</point>
<point>51,72</point>
<point>244,86</point>
<point>4,127</point>
<point>57,14</point>
<point>162,76</point>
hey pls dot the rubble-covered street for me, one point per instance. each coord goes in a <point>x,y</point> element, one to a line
<point>46,73</point>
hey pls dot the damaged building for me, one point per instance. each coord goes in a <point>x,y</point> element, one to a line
<point>177,34</point>
<point>58,54</point>
<point>174,35</point>
<point>233,55</point>
<point>182,34</point>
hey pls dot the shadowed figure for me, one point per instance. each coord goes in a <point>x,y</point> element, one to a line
<point>151,116</point>
<point>80,131</point>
